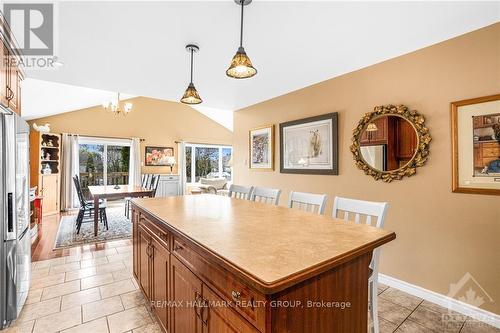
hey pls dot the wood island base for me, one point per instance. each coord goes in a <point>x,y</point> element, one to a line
<point>192,289</point>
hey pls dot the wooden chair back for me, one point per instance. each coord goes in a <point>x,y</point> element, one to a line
<point>266,195</point>
<point>311,202</point>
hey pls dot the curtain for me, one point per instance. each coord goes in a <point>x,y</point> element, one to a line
<point>70,168</point>
<point>181,163</point>
<point>134,172</point>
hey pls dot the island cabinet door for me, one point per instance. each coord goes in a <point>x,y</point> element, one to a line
<point>135,242</point>
<point>186,299</point>
<point>159,282</point>
<point>218,317</point>
<point>144,261</point>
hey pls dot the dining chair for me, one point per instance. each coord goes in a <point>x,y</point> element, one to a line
<point>89,201</point>
<point>154,184</point>
<point>151,183</point>
<point>145,179</point>
<point>266,195</point>
<point>240,192</point>
<point>366,209</point>
<point>307,201</point>
<point>86,206</point>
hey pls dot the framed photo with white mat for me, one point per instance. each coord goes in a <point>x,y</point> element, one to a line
<point>261,147</point>
<point>475,127</point>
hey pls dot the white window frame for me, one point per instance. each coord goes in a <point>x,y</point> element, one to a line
<point>85,140</point>
<point>193,159</point>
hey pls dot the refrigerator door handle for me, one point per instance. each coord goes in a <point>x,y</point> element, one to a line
<point>11,223</point>
<point>10,213</point>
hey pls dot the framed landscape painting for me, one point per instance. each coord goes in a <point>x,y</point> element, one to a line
<point>157,156</point>
<point>310,145</point>
<point>476,145</point>
<point>261,142</point>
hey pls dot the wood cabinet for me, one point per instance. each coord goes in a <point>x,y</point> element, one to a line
<point>45,151</point>
<point>11,74</point>
<point>49,190</point>
<point>406,140</point>
<point>160,281</point>
<point>4,72</point>
<point>187,292</point>
<point>193,290</point>
<point>144,259</point>
<point>222,319</point>
<point>14,89</point>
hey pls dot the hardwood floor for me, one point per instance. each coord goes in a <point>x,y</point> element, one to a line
<point>45,247</point>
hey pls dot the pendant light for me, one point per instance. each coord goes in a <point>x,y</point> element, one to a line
<point>191,96</point>
<point>241,67</point>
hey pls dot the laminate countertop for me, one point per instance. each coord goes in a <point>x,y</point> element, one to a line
<point>270,244</point>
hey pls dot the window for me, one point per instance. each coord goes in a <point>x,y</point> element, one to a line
<point>208,161</point>
<point>103,162</point>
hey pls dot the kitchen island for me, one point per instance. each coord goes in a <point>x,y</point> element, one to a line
<point>209,263</point>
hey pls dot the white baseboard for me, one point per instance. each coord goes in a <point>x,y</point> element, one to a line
<point>447,302</point>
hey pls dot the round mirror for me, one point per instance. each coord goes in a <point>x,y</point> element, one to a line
<point>390,142</point>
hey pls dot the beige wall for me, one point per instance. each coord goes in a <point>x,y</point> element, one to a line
<point>440,235</point>
<point>159,122</point>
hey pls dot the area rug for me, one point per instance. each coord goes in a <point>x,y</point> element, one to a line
<point>119,228</point>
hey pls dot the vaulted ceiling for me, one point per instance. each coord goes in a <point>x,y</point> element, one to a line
<point>137,47</point>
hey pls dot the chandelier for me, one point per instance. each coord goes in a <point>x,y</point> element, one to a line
<point>115,107</point>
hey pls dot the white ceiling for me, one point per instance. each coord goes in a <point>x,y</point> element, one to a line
<point>138,47</point>
<point>43,98</point>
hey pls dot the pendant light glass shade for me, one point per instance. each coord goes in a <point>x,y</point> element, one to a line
<point>191,95</point>
<point>241,66</point>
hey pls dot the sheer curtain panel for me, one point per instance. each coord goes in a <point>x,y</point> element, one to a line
<point>70,168</point>
<point>134,175</point>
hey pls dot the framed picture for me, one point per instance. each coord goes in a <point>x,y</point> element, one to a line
<point>475,127</point>
<point>310,145</point>
<point>261,142</point>
<point>158,156</point>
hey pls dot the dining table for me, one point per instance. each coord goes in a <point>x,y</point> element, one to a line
<point>99,192</point>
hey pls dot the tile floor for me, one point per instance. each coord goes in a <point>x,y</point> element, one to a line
<point>95,292</point>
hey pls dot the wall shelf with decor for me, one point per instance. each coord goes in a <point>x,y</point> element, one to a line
<point>45,167</point>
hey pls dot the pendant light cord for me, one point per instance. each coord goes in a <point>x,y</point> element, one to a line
<point>192,65</point>
<point>241,23</point>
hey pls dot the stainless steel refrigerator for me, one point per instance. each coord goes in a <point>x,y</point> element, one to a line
<point>15,252</point>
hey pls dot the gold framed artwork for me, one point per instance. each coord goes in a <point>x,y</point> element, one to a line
<point>475,128</point>
<point>261,147</point>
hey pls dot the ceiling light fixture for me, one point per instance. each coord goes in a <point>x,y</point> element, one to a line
<point>115,107</point>
<point>241,67</point>
<point>56,62</point>
<point>191,95</point>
